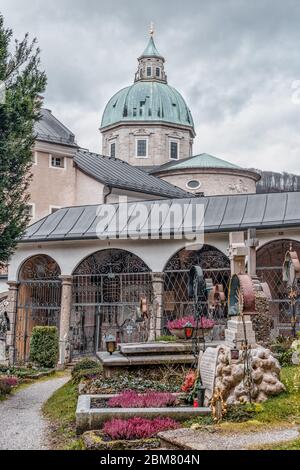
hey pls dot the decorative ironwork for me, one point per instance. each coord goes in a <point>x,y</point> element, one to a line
<point>216,268</point>
<point>209,258</point>
<point>38,303</point>
<point>111,261</point>
<point>39,267</point>
<point>269,269</point>
<point>108,287</point>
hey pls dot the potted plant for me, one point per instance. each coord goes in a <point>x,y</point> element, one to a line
<point>177,327</point>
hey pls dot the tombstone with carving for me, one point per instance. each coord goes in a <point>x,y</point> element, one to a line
<point>242,370</point>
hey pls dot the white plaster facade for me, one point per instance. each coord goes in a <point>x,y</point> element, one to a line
<point>155,253</point>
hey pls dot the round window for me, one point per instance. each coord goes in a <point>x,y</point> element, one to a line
<point>193,184</point>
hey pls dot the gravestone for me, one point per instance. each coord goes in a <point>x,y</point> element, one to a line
<point>208,364</point>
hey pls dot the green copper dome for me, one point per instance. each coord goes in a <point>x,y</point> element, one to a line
<point>204,160</point>
<point>147,101</point>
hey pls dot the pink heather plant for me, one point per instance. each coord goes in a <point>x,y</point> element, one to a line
<point>180,323</point>
<point>9,381</point>
<point>151,399</point>
<point>137,428</point>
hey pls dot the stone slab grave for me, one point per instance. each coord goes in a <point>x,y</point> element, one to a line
<point>148,354</point>
<point>89,418</point>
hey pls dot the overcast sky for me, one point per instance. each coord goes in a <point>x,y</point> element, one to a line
<point>234,61</point>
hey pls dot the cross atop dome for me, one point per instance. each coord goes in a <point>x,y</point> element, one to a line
<point>151,28</point>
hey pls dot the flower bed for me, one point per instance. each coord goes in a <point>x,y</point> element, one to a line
<point>93,411</point>
<point>7,383</point>
<point>133,399</point>
<point>176,327</point>
<point>160,379</point>
<point>137,428</point>
<point>133,433</point>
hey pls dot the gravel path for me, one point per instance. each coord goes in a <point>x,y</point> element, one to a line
<point>204,440</point>
<point>22,426</point>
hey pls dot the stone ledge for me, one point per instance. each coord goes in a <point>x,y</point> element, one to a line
<point>88,418</point>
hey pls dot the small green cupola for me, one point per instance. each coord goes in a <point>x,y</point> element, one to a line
<point>151,63</point>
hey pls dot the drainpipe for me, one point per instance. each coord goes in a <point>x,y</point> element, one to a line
<point>107,192</point>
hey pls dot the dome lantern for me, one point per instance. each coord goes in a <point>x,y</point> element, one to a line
<point>151,63</point>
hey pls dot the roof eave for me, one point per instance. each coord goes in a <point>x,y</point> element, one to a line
<point>148,123</point>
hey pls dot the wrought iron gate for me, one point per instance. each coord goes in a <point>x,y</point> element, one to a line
<point>38,302</point>
<point>38,305</point>
<point>177,303</point>
<point>270,259</point>
<point>107,290</point>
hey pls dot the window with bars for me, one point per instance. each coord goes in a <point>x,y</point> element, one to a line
<point>174,150</point>
<point>141,148</point>
<point>149,71</point>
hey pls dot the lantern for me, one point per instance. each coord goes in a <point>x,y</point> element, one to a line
<point>111,344</point>
<point>201,395</point>
<point>234,354</point>
<point>188,330</point>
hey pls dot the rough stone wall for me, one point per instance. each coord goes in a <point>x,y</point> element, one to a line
<point>158,143</point>
<point>214,183</point>
<point>262,323</point>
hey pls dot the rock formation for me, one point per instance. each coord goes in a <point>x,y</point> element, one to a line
<point>263,379</point>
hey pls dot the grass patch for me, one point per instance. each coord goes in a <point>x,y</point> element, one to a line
<point>283,410</point>
<point>286,406</point>
<point>60,410</point>
<point>287,445</point>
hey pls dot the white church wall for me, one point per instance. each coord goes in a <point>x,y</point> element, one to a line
<point>68,255</point>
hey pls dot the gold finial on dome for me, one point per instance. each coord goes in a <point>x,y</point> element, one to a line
<point>151,29</point>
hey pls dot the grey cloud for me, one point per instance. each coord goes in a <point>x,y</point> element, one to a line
<point>233,60</point>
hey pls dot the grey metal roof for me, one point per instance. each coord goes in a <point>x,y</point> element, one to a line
<point>119,174</point>
<point>50,129</point>
<point>222,214</point>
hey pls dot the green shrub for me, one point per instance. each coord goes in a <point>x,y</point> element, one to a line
<point>86,374</point>
<point>168,338</point>
<point>282,350</point>
<point>44,346</point>
<point>85,364</point>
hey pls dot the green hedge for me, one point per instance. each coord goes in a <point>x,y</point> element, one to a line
<point>44,346</point>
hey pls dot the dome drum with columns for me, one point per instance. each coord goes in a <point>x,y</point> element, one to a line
<point>148,124</point>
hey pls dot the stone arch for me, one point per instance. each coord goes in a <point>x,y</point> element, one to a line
<point>215,265</point>
<point>38,302</point>
<point>107,289</point>
<point>39,266</point>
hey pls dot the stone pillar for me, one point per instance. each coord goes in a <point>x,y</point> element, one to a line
<point>252,243</point>
<point>65,313</point>
<point>13,288</point>
<point>157,311</point>
<point>237,252</point>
